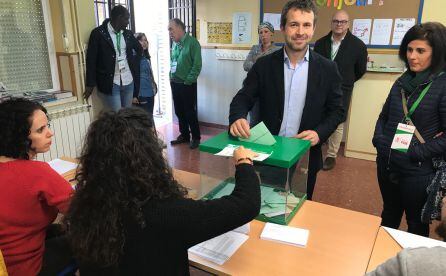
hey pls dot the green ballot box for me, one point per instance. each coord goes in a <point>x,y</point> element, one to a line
<point>283,174</point>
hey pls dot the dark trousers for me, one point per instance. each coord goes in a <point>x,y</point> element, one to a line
<point>57,256</point>
<point>185,103</point>
<point>400,194</point>
<point>147,103</point>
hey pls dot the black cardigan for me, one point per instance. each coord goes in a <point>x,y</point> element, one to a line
<point>174,225</point>
<point>429,118</point>
<point>101,58</point>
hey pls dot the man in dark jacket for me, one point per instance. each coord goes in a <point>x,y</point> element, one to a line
<point>350,54</point>
<point>299,91</point>
<point>112,61</point>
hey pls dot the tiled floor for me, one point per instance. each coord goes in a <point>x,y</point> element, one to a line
<point>352,184</point>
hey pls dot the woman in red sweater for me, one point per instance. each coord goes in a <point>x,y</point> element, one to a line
<point>31,193</point>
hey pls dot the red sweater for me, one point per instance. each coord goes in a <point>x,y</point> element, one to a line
<point>31,195</point>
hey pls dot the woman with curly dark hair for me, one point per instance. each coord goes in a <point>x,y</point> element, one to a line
<point>130,217</point>
<point>31,193</point>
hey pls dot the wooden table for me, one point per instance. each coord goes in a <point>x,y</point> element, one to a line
<point>340,243</point>
<point>385,248</point>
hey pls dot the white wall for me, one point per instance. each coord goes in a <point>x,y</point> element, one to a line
<point>218,82</point>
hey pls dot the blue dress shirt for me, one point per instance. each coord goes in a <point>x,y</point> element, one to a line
<point>296,80</point>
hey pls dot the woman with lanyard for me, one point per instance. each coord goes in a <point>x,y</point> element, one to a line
<point>266,46</point>
<point>410,129</point>
<point>144,97</point>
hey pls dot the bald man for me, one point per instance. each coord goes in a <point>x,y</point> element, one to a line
<point>350,54</point>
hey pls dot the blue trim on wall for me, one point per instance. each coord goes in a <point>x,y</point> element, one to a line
<point>261,11</point>
<point>420,13</point>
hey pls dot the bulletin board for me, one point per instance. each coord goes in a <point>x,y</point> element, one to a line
<point>368,9</point>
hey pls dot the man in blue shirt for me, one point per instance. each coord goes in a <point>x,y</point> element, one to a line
<point>298,90</point>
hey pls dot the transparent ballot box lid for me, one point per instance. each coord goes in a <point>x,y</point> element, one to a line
<point>282,175</point>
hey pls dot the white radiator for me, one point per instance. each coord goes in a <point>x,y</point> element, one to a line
<point>69,126</point>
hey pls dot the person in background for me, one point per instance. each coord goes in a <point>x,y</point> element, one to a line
<point>185,66</point>
<point>418,261</point>
<point>113,61</point>
<point>145,96</point>
<point>130,217</point>
<point>350,54</point>
<point>404,172</point>
<point>31,193</point>
<point>298,90</point>
<point>266,46</point>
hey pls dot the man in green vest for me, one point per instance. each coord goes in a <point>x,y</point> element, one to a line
<point>185,66</point>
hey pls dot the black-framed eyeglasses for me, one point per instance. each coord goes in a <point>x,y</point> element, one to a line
<point>339,22</point>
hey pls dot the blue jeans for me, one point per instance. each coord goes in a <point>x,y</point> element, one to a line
<point>120,97</point>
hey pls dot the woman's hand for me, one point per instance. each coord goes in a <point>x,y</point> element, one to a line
<point>244,155</point>
<point>135,100</point>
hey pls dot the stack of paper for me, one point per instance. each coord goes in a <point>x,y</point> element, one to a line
<point>62,166</point>
<point>285,234</point>
<point>219,249</point>
<point>229,151</point>
<point>260,135</point>
<point>408,240</point>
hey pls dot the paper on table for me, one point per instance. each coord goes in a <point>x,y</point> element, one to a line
<point>244,229</point>
<point>62,166</point>
<point>221,248</point>
<point>285,234</point>
<point>260,135</point>
<point>229,151</point>
<point>407,240</point>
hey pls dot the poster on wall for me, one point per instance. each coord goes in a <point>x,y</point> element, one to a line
<point>241,28</point>
<point>402,25</point>
<point>273,18</point>
<point>382,28</point>
<point>219,32</point>
<point>361,29</point>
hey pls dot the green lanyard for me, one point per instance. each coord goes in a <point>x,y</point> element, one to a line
<point>333,55</point>
<point>417,102</point>
<point>118,42</point>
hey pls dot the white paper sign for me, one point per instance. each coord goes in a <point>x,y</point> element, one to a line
<point>273,18</point>
<point>362,28</point>
<point>402,25</point>
<point>241,28</point>
<point>382,28</point>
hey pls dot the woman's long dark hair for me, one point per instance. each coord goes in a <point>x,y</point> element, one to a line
<point>15,122</point>
<point>121,168</point>
<point>145,53</point>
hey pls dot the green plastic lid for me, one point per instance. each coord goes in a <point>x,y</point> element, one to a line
<point>285,152</point>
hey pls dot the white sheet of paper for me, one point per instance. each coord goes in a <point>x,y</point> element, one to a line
<point>361,29</point>
<point>244,229</point>
<point>273,18</point>
<point>62,166</point>
<point>229,151</point>
<point>241,28</point>
<point>409,240</point>
<point>285,234</point>
<point>219,249</point>
<point>382,28</point>
<point>402,25</point>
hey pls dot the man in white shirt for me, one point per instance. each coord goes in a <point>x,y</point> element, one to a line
<point>112,65</point>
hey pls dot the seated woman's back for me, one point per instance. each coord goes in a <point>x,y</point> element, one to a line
<point>129,214</point>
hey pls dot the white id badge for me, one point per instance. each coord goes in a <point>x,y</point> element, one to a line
<point>121,64</point>
<point>173,67</point>
<point>402,138</point>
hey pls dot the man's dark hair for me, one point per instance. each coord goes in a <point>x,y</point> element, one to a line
<point>180,23</point>
<point>15,121</point>
<point>117,11</point>
<point>435,35</point>
<point>304,5</point>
